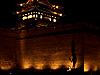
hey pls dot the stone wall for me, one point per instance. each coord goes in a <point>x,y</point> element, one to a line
<point>91,52</point>
<point>41,52</point>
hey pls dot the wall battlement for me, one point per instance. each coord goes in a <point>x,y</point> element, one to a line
<point>42,30</point>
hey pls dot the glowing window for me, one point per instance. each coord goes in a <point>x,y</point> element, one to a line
<point>53,6</point>
<point>21,4</point>
<point>17,12</point>
<point>30,16</point>
<point>26,14</point>
<point>50,19</point>
<point>23,15</point>
<point>60,14</point>
<point>33,12</point>
<point>34,15</point>
<point>40,16</point>
<point>57,7</point>
<point>42,13</point>
<point>54,20</point>
<point>24,18</point>
<point>38,12</point>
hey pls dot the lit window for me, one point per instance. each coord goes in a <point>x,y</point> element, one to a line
<point>55,17</point>
<point>52,16</point>
<point>34,15</point>
<point>42,13</point>
<point>40,16</point>
<point>26,14</point>
<point>23,15</point>
<point>50,19</point>
<point>21,4</point>
<point>60,14</point>
<point>30,16</point>
<point>57,7</point>
<point>17,12</point>
<point>54,20</point>
<point>38,12</point>
<point>53,6</point>
<point>31,12</point>
<point>24,18</point>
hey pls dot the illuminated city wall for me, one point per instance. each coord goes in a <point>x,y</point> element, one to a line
<point>8,48</point>
<point>91,52</point>
<point>41,52</point>
<point>52,51</point>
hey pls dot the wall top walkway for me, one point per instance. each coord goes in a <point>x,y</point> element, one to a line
<point>31,32</point>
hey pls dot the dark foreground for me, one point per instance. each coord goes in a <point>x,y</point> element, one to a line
<point>46,71</point>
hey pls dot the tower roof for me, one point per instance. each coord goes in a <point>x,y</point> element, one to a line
<point>40,5</point>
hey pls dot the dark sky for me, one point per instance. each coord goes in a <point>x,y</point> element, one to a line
<point>77,10</point>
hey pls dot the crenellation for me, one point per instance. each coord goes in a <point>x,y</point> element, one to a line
<point>42,30</point>
<point>24,31</point>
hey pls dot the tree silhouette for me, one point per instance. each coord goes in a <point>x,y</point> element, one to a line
<point>74,59</point>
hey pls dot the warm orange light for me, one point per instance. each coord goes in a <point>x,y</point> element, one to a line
<point>24,18</point>
<point>34,15</point>
<point>53,6</point>
<point>57,7</point>
<point>30,16</point>
<point>17,12</point>
<point>38,12</point>
<point>26,65</point>
<point>50,19</point>
<point>40,16</point>
<point>54,20</point>
<point>60,14</point>
<point>55,13</point>
<point>21,4</point>
<point>86,67</point>
<point>95,68</point>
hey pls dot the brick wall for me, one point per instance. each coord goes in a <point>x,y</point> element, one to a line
<point>41,52</point>
<point>53,51</point>
<point>91,52</point>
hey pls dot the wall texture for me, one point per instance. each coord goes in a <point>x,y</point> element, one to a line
<point>91,52</point>
<point>41,52</point>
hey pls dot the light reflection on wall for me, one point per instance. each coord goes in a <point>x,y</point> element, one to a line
<point>39,65</point>
<point>22,59</point>
<point>95,68</point>
<point>6,65</point>
<point>26,64</point>
<point>55,65</point>
<point>86,67</point>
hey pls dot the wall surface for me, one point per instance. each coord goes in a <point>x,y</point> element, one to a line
<point>8,47</point>
<point>41,52</point>
<point>91,52</point>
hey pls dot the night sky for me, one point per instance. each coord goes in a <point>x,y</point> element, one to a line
<point>76,10</point>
